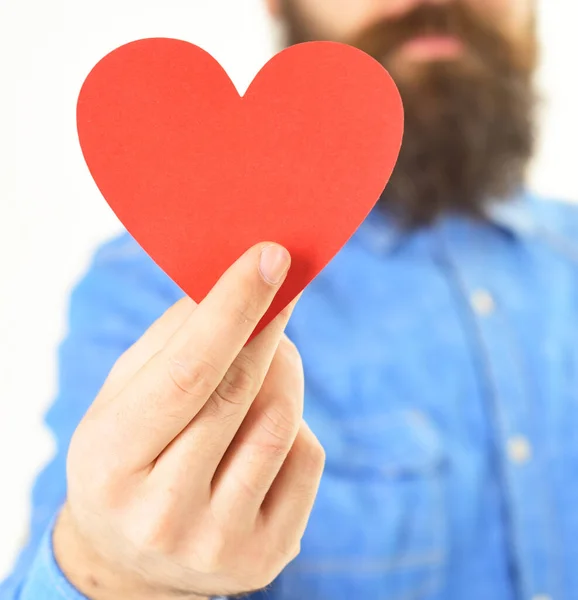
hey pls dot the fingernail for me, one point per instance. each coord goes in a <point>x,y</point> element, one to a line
<point>274,263</point>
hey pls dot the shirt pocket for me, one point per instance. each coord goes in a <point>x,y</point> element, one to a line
<point>378,528</point>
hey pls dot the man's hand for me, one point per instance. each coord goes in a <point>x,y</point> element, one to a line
<point>193,473</point>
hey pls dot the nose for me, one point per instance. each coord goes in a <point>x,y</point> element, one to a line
<point>395,8</point>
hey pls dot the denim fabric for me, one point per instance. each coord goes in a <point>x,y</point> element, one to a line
<point>442,379</point>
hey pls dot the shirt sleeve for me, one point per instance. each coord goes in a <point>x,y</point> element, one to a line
<point>45,580</point>
<point>120,296</point>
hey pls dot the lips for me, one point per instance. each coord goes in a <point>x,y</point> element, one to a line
<point>427,47</point>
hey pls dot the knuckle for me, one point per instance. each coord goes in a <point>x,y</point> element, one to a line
<point>280,426</point>
<point>274,449</point>
<point>159,532</point>
<point>152,538</point>
<point>239,383</point>
<point>216,555</point>
<point>193,377</point>
<point>288,547</point>
<point>315,457</point>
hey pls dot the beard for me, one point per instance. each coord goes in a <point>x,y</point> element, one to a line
<point>469,121</point>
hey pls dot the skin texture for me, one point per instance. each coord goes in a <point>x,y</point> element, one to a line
<point>194,457</point>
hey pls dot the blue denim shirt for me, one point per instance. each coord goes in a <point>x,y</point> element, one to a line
<point>442,379</point>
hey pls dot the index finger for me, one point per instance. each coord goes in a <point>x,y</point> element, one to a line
<point>171,388</point>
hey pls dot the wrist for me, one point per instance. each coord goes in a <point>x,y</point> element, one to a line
<point>85,569</point>
<point>92,577</point>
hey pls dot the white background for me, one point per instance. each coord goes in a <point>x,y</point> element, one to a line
<point>52,216</point>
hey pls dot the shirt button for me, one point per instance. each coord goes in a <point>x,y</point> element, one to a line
<point>483,302</point>
<point>520,452</point>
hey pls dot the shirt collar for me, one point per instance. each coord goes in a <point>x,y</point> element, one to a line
<point>514,216</point>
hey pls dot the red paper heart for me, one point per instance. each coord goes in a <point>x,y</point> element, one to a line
<point>198,174</point>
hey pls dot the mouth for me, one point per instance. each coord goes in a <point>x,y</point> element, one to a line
<point>431,47</point>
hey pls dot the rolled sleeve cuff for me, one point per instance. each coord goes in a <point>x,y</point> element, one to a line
<point>45,580</point>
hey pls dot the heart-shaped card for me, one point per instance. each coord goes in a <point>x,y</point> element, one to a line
<point>198,174</point>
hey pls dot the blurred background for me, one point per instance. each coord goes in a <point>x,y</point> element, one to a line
<point>52,216</point>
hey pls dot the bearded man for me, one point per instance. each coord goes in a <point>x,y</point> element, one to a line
<point>437,357</point>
